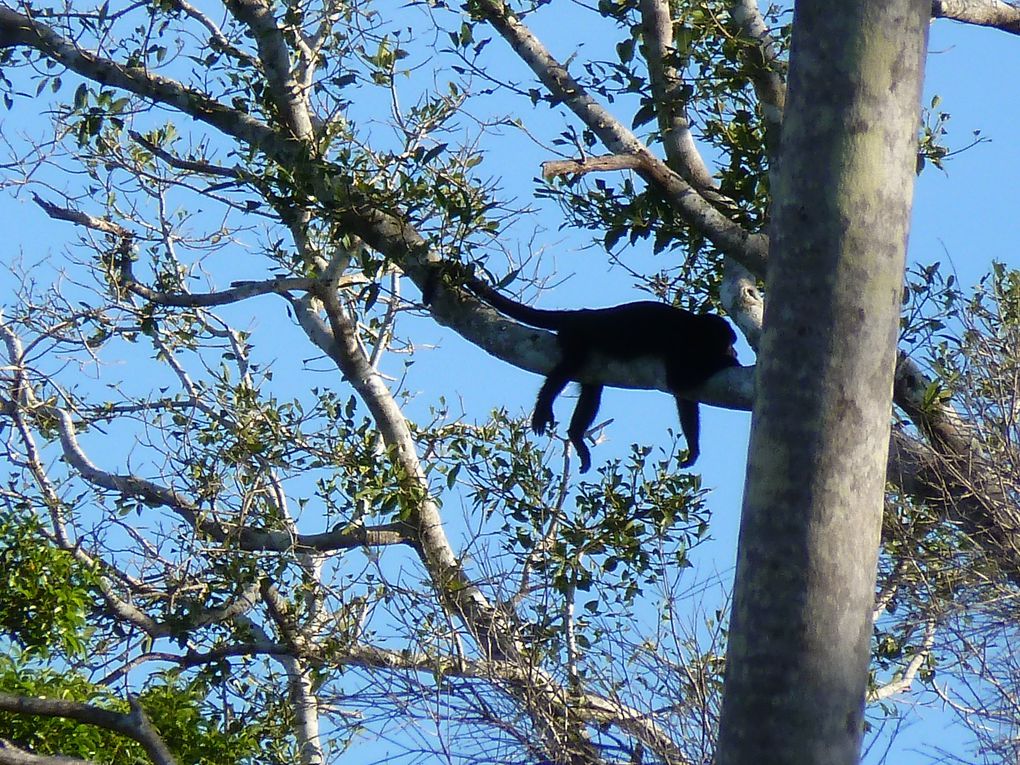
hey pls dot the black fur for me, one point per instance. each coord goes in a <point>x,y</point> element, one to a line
<point>693,347</point>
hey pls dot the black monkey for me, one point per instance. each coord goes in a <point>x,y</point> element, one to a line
<point>692,346</point>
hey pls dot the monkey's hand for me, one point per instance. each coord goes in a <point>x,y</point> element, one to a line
<point>450,274</point>
<point>540,420</point>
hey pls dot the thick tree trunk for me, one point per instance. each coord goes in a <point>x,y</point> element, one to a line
<point>799,641</point>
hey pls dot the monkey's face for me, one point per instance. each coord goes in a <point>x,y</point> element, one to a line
<point>721,339</point>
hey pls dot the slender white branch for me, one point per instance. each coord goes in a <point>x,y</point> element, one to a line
<point>274,53</point>
<point>215,35</point>
<point>906,678</point>
<point>667,88</point>
<point>763,64</point>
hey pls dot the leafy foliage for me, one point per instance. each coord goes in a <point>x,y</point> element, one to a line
<point>179,711</point>
<point>46,595</point>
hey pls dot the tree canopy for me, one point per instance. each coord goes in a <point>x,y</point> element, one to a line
<point>243,518</point>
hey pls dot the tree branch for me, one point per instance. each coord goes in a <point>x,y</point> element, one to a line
<point>202,168</point>
<point>985,13</point>
<point>241,290</point>
<point>526,678</point>
<point>762,63</point>
<point>244,538</point>
<point>682,154</point>
<point>490,625</point>
<point>340,341</point>
<point>18,29</point>
<point>954,474</point>
<point>216,38</point>
<point>906,678</point>
<point>12,755</point>
<point>607,163</point>
<point>290,99</point>
<point>134,725</point>
<point>750,249</point>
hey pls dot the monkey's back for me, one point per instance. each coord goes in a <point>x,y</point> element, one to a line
<point>645,328</point>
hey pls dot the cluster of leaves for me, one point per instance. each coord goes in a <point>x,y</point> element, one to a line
<point>178,710</point>
<point>47,594</point>
<point>641,514</point>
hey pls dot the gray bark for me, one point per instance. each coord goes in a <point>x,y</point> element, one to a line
<point>797,665</point>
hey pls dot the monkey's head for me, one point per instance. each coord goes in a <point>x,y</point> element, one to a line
<point>719,340</point>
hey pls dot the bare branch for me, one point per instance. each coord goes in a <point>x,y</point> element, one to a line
<point>607,163</point>
<point>203,168</point>
<point>215,35</point>
<point>82,219</point>
<point>985,13</point>
<point>240,290</point>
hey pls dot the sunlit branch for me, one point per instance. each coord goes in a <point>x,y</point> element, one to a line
<point>275,55</point>
<point>603,164</point>
<point>302,694</point>
<point>244,538</point>
<point>986,13</point>
<point>339,340</point>
<point>216,36</point>
<point>762,62</point>
<point>906,677</point>
<point>18,29</point>
<point>660,51</point>
<point>750,249</point>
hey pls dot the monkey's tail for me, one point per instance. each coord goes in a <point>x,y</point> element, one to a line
<point>536,317</point>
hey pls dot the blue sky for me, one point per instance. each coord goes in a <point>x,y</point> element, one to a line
<point>966,217</point>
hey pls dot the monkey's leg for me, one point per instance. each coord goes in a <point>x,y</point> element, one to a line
<point>551,388</point>
<point>584,415</point>
<point>690,423</point>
